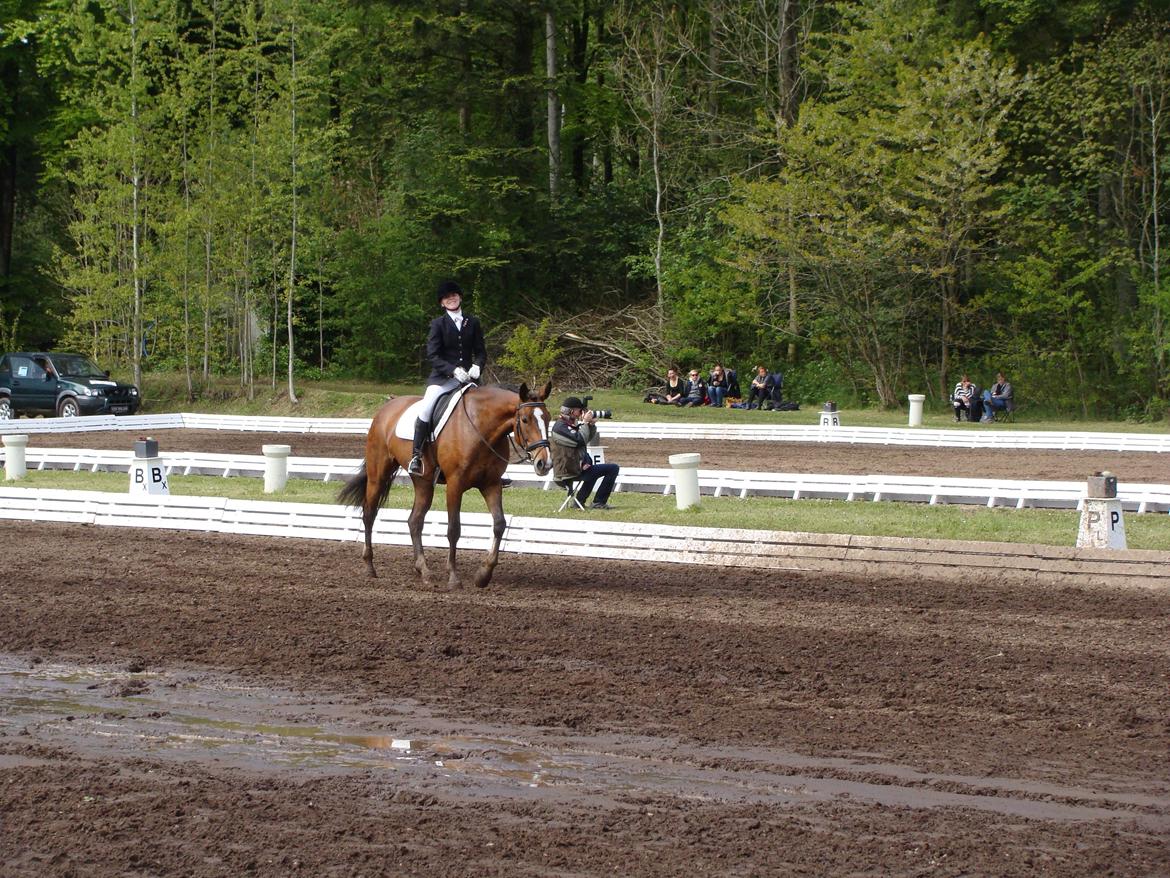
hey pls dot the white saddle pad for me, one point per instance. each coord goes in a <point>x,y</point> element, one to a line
<point>404,429</point>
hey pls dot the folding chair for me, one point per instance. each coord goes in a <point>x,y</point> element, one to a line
<point>570,486</point>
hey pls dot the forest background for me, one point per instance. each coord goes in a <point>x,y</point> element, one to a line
<point>872,196</point>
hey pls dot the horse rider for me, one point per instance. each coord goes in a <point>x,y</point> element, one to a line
<point>458,355</point>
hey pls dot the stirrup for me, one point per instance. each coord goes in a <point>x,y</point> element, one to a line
<point>415,467</point>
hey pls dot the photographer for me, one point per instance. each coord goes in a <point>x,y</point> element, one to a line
<point>571,437</point>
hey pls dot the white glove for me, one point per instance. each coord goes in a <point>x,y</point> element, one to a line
<point>474,371</point>
<point>461,375</point>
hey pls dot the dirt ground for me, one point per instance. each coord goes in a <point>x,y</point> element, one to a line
<point>199,705</point>
<point>1134,467</point>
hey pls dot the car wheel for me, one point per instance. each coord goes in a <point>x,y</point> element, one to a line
<point>6,412</point>
<point>68,408</point>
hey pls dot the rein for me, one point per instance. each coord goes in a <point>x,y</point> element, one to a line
<point>527,450</point>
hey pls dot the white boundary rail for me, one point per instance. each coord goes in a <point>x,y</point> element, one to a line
<point>969,436</point>
<point>924,489</point>
<point>599,538</point>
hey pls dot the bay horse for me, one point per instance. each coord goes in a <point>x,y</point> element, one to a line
<point>472,451</point>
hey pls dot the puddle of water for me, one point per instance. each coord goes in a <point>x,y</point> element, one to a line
<point>202,716</point>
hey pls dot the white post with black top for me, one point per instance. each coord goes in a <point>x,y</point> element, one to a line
<point>1101,526</point>
<point>147,473</point>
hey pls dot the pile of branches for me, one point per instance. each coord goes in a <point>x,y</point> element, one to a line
<point>598,347</point>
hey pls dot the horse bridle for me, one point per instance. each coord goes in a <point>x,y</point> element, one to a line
<point>531,446</point>
<point>527,450</point>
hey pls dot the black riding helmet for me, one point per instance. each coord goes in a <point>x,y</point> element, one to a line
<point>446,288</point>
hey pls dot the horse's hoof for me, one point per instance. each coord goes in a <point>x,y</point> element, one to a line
<point>483,578</point>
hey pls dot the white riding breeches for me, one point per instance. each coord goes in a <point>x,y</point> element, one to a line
<point>431,395</point>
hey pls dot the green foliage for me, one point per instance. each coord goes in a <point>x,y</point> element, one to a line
<point>532,352</point>
<point>897,204</point>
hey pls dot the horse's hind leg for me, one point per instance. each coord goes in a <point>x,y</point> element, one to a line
<point>424,495</point>
<point>377,487</point>
<point>493,496</point>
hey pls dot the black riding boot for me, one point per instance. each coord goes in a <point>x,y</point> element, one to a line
<point>422,432</point>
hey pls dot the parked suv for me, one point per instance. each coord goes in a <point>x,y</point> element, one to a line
<point>67,385</point>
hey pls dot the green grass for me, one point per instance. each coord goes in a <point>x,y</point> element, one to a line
<point>166,392</point>
<point>1041,526</point>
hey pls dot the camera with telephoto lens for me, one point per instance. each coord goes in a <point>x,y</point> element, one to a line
<point>597,413</point>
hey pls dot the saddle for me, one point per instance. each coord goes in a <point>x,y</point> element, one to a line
<point>444,406</point>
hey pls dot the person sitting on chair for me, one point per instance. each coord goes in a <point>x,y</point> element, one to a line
<point>458,355</point>
<point>999,398</point>
<point>760,389</point>
<point>569,440</point>
<point>962,398</point>
<point>717,386</point>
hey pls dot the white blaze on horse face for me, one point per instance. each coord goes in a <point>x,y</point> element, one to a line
<point>543,460</point>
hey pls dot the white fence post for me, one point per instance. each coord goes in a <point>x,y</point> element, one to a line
<point>275,467</point>
<point>14,466</point>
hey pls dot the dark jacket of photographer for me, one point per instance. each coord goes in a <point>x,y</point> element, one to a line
<point>569,442</point>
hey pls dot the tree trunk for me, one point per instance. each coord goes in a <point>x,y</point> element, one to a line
<point>136,189</point>
<point>579,58</point>
<point>465,72</point>
<point>292,250</point>
<point>554,104</point>
<point>792,322</point>
<point>787,58</point>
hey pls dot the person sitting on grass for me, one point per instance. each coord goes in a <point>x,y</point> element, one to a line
<point>696,392</point>
<point>717,386</point>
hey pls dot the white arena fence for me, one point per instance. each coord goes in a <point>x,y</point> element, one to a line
<point>923,489</point>
<point>969,436</point>
<point>599,538</point>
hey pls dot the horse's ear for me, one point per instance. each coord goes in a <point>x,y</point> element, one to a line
<point>547,390</point>
<point>523,391</point>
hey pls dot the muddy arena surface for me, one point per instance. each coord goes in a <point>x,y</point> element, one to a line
<point>188,704</point>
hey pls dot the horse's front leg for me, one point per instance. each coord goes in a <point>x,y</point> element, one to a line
<point>454,505</point>
<point>424,495</point>
<point>493,495</point>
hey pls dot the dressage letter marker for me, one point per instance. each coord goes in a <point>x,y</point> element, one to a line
<point>1101,523</point>
<point>830,419</point>
<point>147,474</point>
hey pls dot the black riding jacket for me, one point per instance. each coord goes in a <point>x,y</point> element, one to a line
<point>448,348</point>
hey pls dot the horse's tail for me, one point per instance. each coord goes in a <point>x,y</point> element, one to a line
<point>354,492</point>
